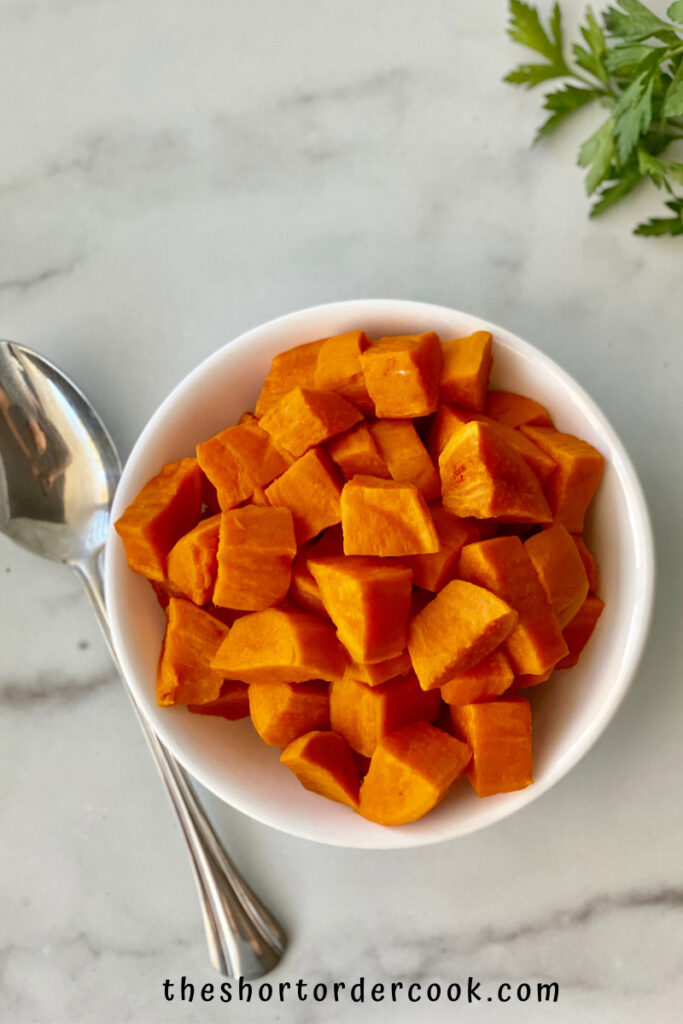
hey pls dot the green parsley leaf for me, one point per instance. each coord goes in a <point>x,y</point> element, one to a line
<point>611,194</point>
<point>675,12</point>
<point>592,59</point>
<point>563,102</point>
<point>673,100</point>
<point>633,111</point>
<point>624,59</point>
<point>597,153</point>
<point>525,27</point>
<point>664,225</point>
<point>634,21</point>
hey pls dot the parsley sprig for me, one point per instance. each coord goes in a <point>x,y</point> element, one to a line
<point>632,67</point>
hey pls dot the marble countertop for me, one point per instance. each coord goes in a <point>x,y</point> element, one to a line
<point>170,175</point>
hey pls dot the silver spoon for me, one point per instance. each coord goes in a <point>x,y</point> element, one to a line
<point>58,473</point>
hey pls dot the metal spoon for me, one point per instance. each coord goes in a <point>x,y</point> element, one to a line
<point>58,473</point>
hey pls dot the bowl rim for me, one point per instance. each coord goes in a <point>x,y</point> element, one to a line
<point>641,530</point>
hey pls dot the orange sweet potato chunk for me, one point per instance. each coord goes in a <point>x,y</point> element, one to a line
<point>304,590</point>
<point>466,367</point>
<point>232,703</point>
<point>192,638</point>
<point>356,452</point>
<point>408,460</point>
<point>516,410</point>
<point>192,563</point>
<point>324,763</point>
<point>379,671</point>
<point>504,567</point>
<point>448,419</point>
<point>411,770</point>
<point>368,599</point>
<point>167,507</point>
<point>499,733</point>
<point>402,375</point>
<point>305,417</point>
<point>490,677</point>
<point>280,646</point>
<point>572,486</point>
<point>559,567</point>
<point>589,563</point>
<point>311,489</point>
<point>432,572</point>
<point>239,460</point>
<point>281,712</point>
<point>295,367</point>
<point>578,632</point>
<point>255,551</point>
<point>456,630</point>
<point>385,518</point>
<point>363,714</point>
<point>338,368</point>
<point>484,477</point>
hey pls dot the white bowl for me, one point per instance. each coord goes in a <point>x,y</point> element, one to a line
<point>570,711</point>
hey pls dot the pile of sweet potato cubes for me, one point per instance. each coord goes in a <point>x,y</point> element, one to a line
<point>373,566</point>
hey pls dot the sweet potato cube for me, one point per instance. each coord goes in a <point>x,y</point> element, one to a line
<point>281,712</point>
<point>448,419</point>
<point>515,410</point>
<point>295,367</point>
<point>255,551</point>
<point>363,714</point>
<point>482,476</point>
<point>408,460</point>
<point>368,599</point>
<point>338,368</point>
<point>356,452</point>
<point>499,733</point>
<point>490,677</point>
<point>185,675</point>
<point>560,569</point>
<point>311,489</point>
<point>324,763</point>
<point>589,563</point>
<point>232,702</point>
<point>466,368</point>
<point>379,671</point>
<point>457,629</point>
<point>385,518</point>
<point>572,486</point>
<point>578,632</point>
<point>305,417</point>
<point>303,590</point>
<point>280,646</point>
<point>504,567</point>
<point>192,563</point>
<point>410,772</point>
<point>167,507</point>
<point>239,460</point>
<point>402,375</point>
<point>432,572</point>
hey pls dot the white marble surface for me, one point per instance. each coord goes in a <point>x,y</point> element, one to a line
<point>171,174</point>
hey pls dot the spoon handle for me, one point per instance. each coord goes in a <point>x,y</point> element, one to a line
<point>243,937</point>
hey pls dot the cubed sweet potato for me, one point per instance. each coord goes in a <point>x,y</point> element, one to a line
<point>356,452</point>
<point>385,518</point>
<point>338,369</point>
<point>192,564</point>
<point>466,367</point>
<point>411,770</point>
<point>515,410</point>
<point>499,733</point>
<point>362,714</point>
<point>167,507</point>
<point>304,591</point>
<point>408,460</point>
<point>484,477</point>
<point>490,677</point>
<point>456,630</point>
<point>368,599</point>
<point>295,367</point>
<point>572,486</point>
<point>232,702</point>
<point>432,572</point>
<point>503,566</point>
<point>560,569</point>
<point>185,675</point>
<point>578,632</point>
<point>281,712</point>
<point>239,460</point>
<point>402,375</point>
<point>324,763</point>
<point>280,645</point>
<point>255,551</point>
<point>306,417</point>
<point>447,420</point>
<point>311,489</point>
